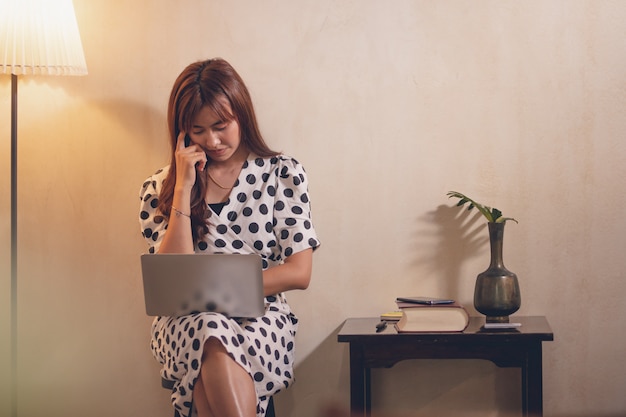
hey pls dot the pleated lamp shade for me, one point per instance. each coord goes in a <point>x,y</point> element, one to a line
<point>40,37</point>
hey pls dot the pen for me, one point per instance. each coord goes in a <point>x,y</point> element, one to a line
<point>381,326</point>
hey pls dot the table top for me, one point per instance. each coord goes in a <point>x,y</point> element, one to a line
<point>363,330</point>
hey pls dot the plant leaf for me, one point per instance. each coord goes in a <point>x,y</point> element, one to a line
<point>493,215</point>
<point>504,219</point>
<point>485,213</point>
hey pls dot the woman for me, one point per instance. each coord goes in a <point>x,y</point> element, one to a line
<point>226,191</point>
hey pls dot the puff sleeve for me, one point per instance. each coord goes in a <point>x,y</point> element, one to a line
<point>292,209</point>
<point>152,222</point>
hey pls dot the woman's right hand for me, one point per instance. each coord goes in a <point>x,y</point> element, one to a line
<point>189,159</point>
<point>178,238</point>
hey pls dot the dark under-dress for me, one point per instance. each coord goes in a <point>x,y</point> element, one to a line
<point>267,213</point>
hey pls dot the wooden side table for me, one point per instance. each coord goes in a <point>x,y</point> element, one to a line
<point>519,348</point>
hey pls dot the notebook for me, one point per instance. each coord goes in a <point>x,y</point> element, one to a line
<point>179,284</point>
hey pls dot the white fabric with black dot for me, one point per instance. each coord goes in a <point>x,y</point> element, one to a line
<point>268,213</point>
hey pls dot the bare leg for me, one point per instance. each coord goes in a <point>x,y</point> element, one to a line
<point>224,388</point>
<point>200,401</point>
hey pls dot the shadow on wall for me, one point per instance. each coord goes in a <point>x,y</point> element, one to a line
<point>446,385</point>
<point>321,379</point>
<point>338,411</point>
<point>458,238</point>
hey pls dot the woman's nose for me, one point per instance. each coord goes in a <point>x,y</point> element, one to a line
<point>213,140</point>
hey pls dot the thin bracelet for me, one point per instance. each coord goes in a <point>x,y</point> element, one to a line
<point>180,213</point>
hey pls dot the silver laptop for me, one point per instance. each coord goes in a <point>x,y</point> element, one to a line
<point>179,284</point>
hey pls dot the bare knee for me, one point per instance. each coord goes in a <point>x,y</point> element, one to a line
<point>212,347</point>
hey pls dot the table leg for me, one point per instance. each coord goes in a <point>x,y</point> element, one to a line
<point>532,384</point>
<point>368,391</point>
<point>360,401</point>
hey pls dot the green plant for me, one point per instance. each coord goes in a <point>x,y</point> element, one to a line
<point>493,215</point>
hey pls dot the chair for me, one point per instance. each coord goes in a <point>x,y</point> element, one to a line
<point>168,384</point>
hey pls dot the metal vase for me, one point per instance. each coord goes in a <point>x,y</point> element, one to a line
<point>497,294</point>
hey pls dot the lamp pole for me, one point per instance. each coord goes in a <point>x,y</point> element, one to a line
<point>13,245</point>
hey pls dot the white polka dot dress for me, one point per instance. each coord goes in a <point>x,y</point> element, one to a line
<point>267,213</point>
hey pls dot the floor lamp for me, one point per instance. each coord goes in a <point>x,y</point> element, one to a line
<point>37,37</point>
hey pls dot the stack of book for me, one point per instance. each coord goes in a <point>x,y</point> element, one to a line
<point>427,314</point>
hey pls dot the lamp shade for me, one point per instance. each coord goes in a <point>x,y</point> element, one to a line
<point>40,37</point>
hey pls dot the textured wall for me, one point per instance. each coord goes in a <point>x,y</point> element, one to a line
<point>388,105</point>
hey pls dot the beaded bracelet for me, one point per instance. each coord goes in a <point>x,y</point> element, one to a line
<point>180,213</point>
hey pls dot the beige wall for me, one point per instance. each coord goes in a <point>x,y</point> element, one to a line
<point>389,105</point>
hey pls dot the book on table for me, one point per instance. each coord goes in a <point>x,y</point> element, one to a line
<point>448,317</point>
<point>392,316</point>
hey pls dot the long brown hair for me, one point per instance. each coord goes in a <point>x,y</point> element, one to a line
<point>203,84</point>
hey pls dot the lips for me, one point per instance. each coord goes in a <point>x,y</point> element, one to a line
<point>217,152</point>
